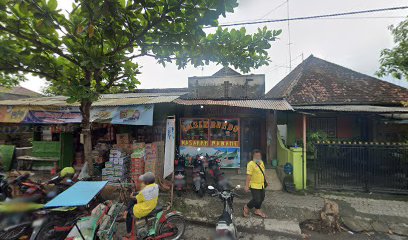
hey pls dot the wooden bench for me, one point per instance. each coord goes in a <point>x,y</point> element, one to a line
<point>30,159</point>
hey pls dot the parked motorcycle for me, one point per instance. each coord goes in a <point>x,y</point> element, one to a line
<point>225,228</point>
<point>214,170</point>
<point>199,178</point>
<point>5,189</point>
<point>37,190</point>
<point>161,224</point>
<point>180,175</point>
<point>17,218</point>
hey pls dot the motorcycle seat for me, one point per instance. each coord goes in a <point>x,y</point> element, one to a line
<point>225,217</point>
<point>154,212</point>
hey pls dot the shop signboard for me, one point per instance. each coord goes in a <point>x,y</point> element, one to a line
<point>51,116</point>
<point>216,137</point>
<point>128,115</point>
<point>169,147</point>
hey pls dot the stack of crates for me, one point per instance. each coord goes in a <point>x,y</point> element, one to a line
<point>117,166</point>
<point>151,158</point>
<point>137,162</point>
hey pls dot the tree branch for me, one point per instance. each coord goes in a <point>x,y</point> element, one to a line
<point>40,44</point>
<point>26,70</point>
<point>148,27</point>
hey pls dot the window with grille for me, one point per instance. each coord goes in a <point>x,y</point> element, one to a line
<point>327,125</point>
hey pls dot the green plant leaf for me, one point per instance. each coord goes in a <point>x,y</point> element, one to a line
<point>52,4</point>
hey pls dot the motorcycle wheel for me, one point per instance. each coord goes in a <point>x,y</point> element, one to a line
<point>15,233</point>
<point>175,224</point>
<point>201,192</point>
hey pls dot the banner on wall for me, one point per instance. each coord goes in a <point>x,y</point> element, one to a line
<point>216,137</point>
<point>128,115</point>
<point>169,147</point>
<point>59,116</point>
<point>13,114</point>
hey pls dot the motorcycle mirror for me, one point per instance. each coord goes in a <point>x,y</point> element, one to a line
<point>238,187</point>
<point>211,187</point>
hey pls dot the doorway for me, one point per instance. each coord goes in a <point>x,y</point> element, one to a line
<point>252,137</point>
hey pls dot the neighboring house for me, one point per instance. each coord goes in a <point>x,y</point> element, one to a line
<point>363,118</point>
<point>16,137</point>
<point>344,104</point>
<point>16,93</point>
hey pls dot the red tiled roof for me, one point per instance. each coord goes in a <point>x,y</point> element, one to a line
<point>316,82</point>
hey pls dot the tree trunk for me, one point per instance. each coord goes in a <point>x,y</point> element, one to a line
<point>86,133</point>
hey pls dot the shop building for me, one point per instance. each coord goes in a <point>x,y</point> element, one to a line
<point>226,115</point>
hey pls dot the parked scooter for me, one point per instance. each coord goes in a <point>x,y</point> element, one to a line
<point>180,175</point>
<point>225,228</point>
<point>199,178</point>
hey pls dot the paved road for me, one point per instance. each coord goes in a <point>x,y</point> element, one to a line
<point>205,232</point>
<point>200,232</point>
<point>197,232</point>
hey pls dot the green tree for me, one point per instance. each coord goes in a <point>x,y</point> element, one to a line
<point>94,47</point>
<point>394,61</point>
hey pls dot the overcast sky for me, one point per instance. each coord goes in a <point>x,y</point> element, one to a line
<point>354,42</point>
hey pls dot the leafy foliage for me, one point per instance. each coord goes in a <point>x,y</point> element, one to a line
<point>395,61</point>
<point>91,49</point>
<point>313,138</point>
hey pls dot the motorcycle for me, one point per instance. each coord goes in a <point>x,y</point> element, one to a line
<point>214,170</point>
<point>37,190</point>
<point>161,224</point>
<point>5,189</point>
<point>179,175</point>
<point>17,218</point>
<point>225,228</point>
<point>199,178</point>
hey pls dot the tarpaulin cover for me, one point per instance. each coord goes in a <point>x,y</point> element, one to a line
<point>80,194</point>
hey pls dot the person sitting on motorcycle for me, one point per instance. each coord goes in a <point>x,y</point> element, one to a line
<point>144,202</point>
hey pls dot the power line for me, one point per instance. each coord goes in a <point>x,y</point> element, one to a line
<point>347,18</point>
<point>313,16</point>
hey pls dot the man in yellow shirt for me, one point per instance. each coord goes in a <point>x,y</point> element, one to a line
<point>144,202</point>
<point>256,183</point>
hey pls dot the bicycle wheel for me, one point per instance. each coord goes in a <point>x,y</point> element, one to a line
<point>48,232</point>
<point>175,224</point>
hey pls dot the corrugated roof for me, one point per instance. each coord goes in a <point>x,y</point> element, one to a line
<point>270,104</point>
<point>134,100</point>
<point>105,100</point>
<point>141,94</point>
<point>354,108</point>
<point>20,91</point>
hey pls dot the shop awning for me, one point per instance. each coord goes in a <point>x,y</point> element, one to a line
<point>353,108</point>
<point>269,104</point>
